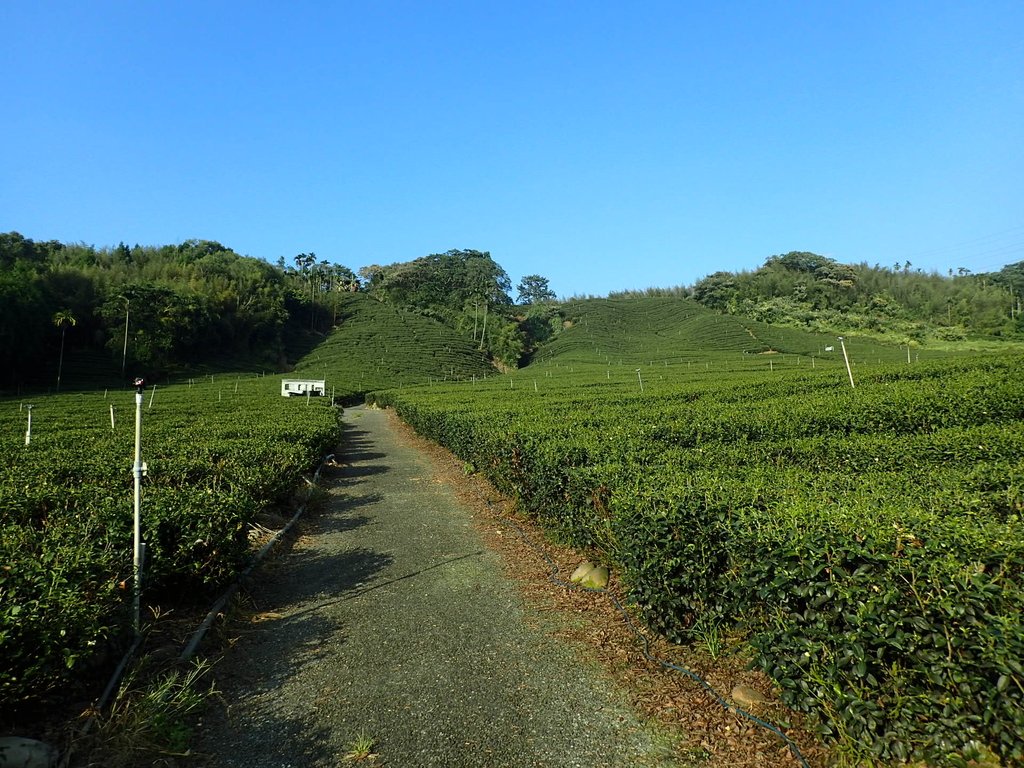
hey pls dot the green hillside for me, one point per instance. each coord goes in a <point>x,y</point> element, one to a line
<point>670,331</point>
<point>376,346</point>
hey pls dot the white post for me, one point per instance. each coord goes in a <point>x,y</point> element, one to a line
<point>849,370</point>
<point>137,472</point>
<point>124,354</point>
<point>152,394</point>
<point>640,379</point>
<point>908,354</point>
<point>28,431</point>
<point>111,417</point>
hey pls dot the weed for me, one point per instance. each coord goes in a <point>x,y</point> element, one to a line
<point>150,719</point>
<point>709,632</point>
<point>360,748</point>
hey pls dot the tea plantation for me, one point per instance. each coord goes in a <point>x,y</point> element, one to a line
<point>866,543</point>
<point>376,345</point>
<point>220,449</point>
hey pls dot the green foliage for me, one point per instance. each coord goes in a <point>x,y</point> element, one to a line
<point>376,345</point>
<point>806,290</point>
<point>867,541</point>
<point>467,290</point>
<point>441,283</point>
<point>186,304</point>
<point>678,331</point>
<point>150,719</point>
<point>217,457</point>
<point>534,289</point>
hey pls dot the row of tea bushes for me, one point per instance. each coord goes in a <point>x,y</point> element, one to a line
<point>868,542</point>
<point>216,458</point>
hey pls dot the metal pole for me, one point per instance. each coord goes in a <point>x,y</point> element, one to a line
<point>849,370</point>
<point>137,472</point>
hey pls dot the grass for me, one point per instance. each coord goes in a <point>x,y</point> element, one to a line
<point>360,748</point>
<point>152,718</point>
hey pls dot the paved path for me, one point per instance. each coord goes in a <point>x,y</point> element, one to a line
<point>391,619</point>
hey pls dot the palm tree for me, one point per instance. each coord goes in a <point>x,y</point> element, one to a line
<point>62,320</point>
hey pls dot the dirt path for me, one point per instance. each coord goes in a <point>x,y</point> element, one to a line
<point>391,618</point>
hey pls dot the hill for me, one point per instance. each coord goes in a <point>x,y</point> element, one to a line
<point>806,290</point>
<point>376,345</point>
<point>669,331</point>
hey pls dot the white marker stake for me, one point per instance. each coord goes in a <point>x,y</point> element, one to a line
<point>111,417</point>
<point>28,431</point>
<point>640,379</point>
<point>849,371</point>
<point>137,472</point>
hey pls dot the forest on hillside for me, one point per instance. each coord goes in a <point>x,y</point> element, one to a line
<point>147,308</point>
<point>814,292</point>
<point>161,309</point>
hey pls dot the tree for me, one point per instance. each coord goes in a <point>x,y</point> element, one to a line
<point>306,262</point>
<point>534,289</point>
<point>62,320</point>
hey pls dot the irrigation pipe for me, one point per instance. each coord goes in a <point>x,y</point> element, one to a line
<point>204,627</point>
<point>197,636</point>
<point>554,578</point>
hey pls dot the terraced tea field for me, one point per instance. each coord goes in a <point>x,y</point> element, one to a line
<point>376,345</point>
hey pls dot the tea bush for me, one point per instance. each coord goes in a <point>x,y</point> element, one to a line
<point>216,458</point>
<point>868,542</point>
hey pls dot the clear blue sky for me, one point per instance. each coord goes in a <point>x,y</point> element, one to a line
<point>603,145</point>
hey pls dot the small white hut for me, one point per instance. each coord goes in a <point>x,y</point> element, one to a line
<point>302,387</point>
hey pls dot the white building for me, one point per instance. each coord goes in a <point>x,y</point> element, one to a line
<point>301,387</point>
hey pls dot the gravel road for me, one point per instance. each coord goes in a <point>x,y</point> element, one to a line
<point>391,619</point>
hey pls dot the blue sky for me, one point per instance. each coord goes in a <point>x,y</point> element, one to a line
<point>603,145</point>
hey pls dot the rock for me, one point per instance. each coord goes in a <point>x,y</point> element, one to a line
<point>595,578</point>
<point>581,570</point>
<point>747,697</point>
<point>16,752</point>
